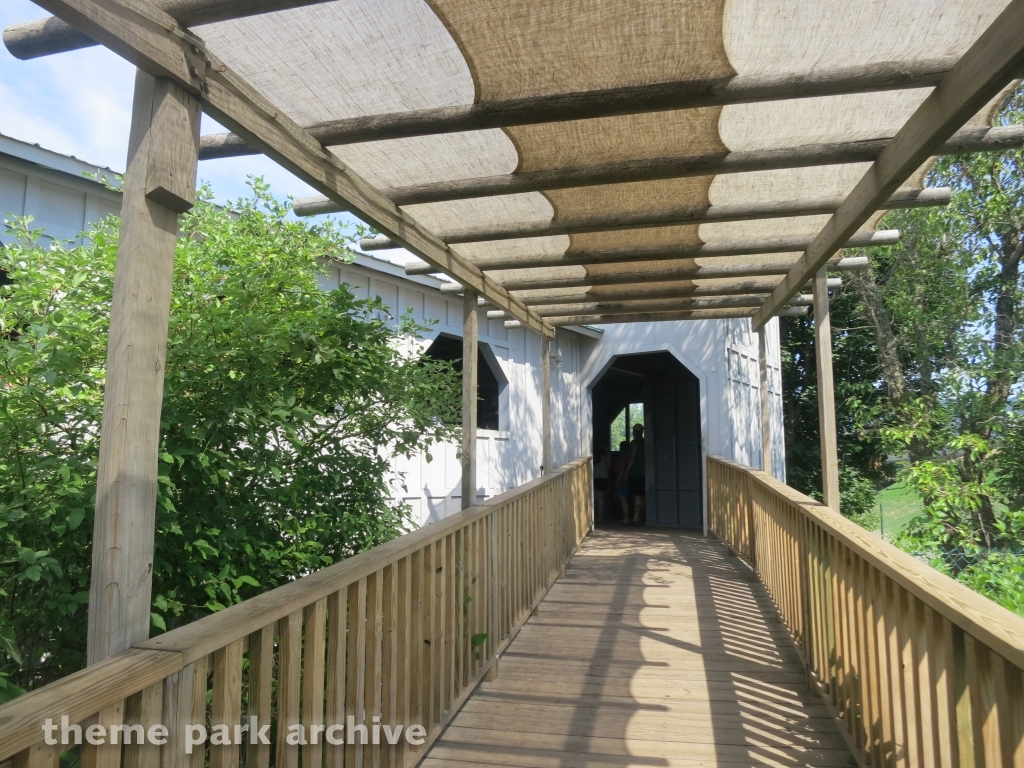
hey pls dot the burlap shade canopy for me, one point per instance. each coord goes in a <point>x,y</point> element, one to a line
<point>597,141</point>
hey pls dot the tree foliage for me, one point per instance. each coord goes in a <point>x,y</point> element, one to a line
<point>283,404</point>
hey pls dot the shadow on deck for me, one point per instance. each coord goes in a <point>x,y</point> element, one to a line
<point>657,649</point>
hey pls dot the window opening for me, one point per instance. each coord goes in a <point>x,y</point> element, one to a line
<point>489,388</point>
<point>623,423</point>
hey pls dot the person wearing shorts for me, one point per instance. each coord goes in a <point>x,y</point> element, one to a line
<point>636,473</point>
<point>620,489</point>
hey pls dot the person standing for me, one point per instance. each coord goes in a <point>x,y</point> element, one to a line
<point>636,472</point>
<point>601,466</point>
<point>617,473</point>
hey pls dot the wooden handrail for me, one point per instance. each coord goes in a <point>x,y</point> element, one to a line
<point>918,669</point>
<point>403,632</point>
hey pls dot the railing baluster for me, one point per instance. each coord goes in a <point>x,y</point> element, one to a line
<point>39,756</point>
<point>373,682</point>
<point>184,705</point>
<point>355,677</point>
<point>261,688</point>
<point>925,683</point>
<point>337,620</point>
<point>313,682</point>
<point>905,610</point>
<point>872,674</point>
<point>446,624</point>
<point>389,665</point>
<point>403,644</point>
<point>146,708</point>
<point>289,681</point>
<point>1014,744</point>
<point>887,702</point>
<point>429,635</point>
<point>416,635</point>
<point>963,685</point>
<point>226,708</point>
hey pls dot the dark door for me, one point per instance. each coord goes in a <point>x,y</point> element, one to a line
<point>674,497</point>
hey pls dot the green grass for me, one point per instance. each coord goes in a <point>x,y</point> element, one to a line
<point>899,505</point>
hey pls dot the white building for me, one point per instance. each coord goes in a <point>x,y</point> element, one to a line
<point>698,380</point>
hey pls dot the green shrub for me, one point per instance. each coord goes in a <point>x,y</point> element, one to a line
<point>282,406</point>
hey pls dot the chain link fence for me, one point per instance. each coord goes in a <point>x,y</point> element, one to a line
<point>995,573</point>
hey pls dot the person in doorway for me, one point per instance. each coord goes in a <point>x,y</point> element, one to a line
<point>636,473</point>
<point>602,460</point>
<point>620,487</point>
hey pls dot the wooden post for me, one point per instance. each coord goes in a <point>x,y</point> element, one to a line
<point>159,184</point>
<point>766,417</point>
<point>826,393</point>
<point>470,355</point>
<point>545,402</point>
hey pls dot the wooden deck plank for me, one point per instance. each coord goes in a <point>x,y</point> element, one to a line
<point>656,649</point>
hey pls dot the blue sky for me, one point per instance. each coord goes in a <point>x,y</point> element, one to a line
<point>79,104</point>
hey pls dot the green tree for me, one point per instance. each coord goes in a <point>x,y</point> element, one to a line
<point>282,406</point>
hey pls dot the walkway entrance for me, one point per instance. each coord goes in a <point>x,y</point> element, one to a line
<point>669,399</point>
<point>655,650</point>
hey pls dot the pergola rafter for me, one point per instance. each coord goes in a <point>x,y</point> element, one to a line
<point>969,140</point>
<point>573,225</point>
<point>646,291</point>
<point>654,305</point>
<point>45,37</point>
<point>587,105</point>
<point>662,253</point>
<point>694,272</point>
<point>659,317</point>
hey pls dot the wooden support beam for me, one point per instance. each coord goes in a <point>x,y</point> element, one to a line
<point>470,356</point>
<point>663,253</point>
<point>605,222</point>
<point>154,42</point>
<point>159,184</point>
<point>545,405</point>
<point>633,99</point>
<point>826,394</point>
<point>654,317</point>
<point>651,169</point>
<point>996,57</point>
<point>766,403</point>
<point>662,275</point>
<point>704,288</point>
<point>598,307</point>
<point>44,37</point>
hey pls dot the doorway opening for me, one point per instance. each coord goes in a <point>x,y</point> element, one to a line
<point>657,391</point>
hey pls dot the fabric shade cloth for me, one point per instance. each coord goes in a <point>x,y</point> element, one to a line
<point>350,58</point>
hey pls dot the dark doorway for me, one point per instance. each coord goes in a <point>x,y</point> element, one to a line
<point>670,398</point>
<point>488,387</point>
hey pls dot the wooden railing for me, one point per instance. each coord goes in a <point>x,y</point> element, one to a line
<point>398,635</point>
<point>917,669</point>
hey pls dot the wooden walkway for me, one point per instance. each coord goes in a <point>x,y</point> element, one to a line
<point>656,650</point>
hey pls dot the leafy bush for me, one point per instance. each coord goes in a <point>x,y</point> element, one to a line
<point>858,498</point>
<point>282,407</point>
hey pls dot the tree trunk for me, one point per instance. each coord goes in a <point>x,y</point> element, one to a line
<point>1005,326</point>
<point>889,362</point>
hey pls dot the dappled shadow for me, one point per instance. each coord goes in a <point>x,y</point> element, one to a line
<point>656,650</point>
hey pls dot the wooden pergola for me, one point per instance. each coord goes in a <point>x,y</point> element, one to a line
<point>562,163</point>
